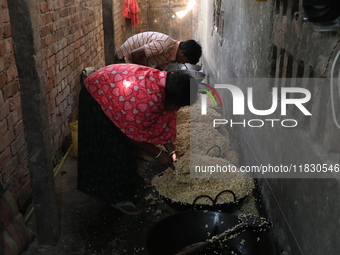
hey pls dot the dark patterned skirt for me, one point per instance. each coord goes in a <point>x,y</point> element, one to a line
<point>107,160</point>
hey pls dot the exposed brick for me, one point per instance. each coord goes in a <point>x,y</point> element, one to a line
<point>14,102</point>
<point>70,58</point>
<point>3,126</point>
<point>48,52</point>
<point>59,56</point>
<point>51,73</point>
<point>42,20</point>
<point>3,4</point>
<point>6,139</point>
<point>3,79</point>
<point>4,109</point>
<point>49,85</point>
<point>19,128</point>
<point>3,49</point>
<point>23,154</point>
<point>17,144</point>
<point>45,30</point>
<point>12,166</point>
<point>5,157</point>
<point>51,5</point>
<point>4,63</point>
<point>12,74</point>
<point>69,2</point>
<point>14,116</point>
<point>71,38</point>
<point>64,13</point>
<point>4,16</point>
<point>43,7</point>
<point>7,32</point>
<point>11,59</point>
<point>48,40</point>
<point>51,61</point>
<point>10,89</point>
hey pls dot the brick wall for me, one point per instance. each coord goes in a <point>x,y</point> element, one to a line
<point>71,38</point>
<point>70,34</point>
<point>154,15</point>
<point>119,24</point>
<point>13,150</point>
<point>160,16</point>
<point>143,24</point>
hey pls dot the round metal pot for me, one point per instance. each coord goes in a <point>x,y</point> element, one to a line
<point>198,76</point>
<point>178,231</point>
<point>228,207</point>
<point>186,66</point>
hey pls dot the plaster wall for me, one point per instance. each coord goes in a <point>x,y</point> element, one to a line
<point>266,40</point>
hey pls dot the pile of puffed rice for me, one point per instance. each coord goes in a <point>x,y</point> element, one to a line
<point>195,135</point>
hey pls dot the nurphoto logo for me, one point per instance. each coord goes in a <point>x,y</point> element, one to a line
<point>239,105</point>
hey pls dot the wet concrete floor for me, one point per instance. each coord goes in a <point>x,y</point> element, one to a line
<point>90,226</point>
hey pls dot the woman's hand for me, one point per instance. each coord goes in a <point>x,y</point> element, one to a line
<point>165,160</point>
<point>174,155</point>
<point>163,157</point>
<point>170,147</point>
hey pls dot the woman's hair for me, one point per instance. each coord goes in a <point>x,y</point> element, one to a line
<point>193,50</point>
<point>181,89</point>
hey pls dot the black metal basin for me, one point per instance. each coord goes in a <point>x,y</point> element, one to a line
<point>172,234</point>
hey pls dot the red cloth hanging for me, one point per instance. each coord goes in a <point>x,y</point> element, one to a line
<point>130,11</point>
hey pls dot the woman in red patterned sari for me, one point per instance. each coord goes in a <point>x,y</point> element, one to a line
<point>125,108</point>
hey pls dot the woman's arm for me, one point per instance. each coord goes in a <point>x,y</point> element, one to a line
<point>138,55</point>
<point>162,156</point>
<point>170,147</point>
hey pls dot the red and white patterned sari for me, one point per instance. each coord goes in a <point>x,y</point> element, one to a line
<point>132,97</point>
